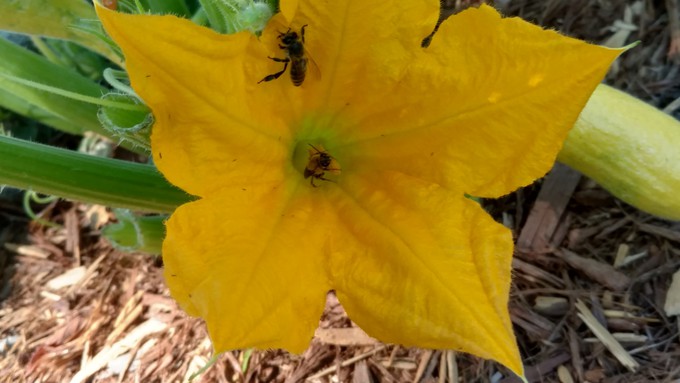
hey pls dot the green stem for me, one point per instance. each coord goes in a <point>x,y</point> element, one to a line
<point>45,50</point>
<point>113,77</point>
<point>78,176</point>
<point>76,96</point>
<point>32,196</point>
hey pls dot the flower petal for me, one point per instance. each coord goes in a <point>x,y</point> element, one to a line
<point>422,266</point>
<point>249,263</point>
<point>484,109</point>
<point>341,38</point>
<point>211,116</point>
<point>288,8</point>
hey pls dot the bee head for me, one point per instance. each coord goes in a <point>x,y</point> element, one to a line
<point>325,160</point>
<point>289,37</point>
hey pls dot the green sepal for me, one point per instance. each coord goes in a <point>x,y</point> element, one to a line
<point>232,16</point>
<point>136,233</point>
<point>133,126</point>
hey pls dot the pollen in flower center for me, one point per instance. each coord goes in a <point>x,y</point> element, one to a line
<point>318,163</point>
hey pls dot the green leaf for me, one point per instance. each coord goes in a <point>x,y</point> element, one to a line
<point>19,106</point>
<point>24,64</point>
<point>51,18</point>
<point>175,7</point>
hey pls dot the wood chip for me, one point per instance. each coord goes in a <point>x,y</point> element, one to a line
<point>537,372</point>
<point>69,278</point>
<point>442,368</point>
<point>348,336</point>
<point>674,26</point>
<point>595,375</point>
<point>529,270</point>
<point>125,321</point>
<point>50,296</point>
<point>385,375</point>
<point>28,250</point>
<point>672,305</point>
<point>624,337</point>
<point>628,315</point>
<point>345,363</point>
<point>633,258</point>
<point>536,326</point>
<point>621,254</point>
<point>452,366</point>
<point>399,363</point>
<point>606,337</point>
<point>109,353</point>
<point>575,351</point>
<point>361,373</point>
<point>553,306</point>
<point>623,325</point>
<point>564,375</point>
<point>422,365</point>
<point>548,209</point>
<point>603,273</point>
<point>90,273</point>
<point>664,232</point>
<point>72,234</point>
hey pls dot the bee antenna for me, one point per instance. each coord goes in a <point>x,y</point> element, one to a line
<point>314,147</point>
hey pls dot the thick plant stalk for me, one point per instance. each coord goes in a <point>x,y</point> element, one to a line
<point>78,176</point>
<point>630,148</point>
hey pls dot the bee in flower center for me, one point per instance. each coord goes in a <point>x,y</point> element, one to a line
<point>319,163</point>
<point>293,44</point>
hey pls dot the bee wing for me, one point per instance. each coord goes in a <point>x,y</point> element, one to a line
<point>313,71</point>
<point>334,167</point>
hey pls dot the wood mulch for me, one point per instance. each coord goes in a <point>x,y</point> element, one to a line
<point>591,274</point>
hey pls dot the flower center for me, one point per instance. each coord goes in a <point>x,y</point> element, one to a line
<point>315,162</point>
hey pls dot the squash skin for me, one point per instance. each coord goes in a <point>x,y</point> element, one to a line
<point>630,148</point>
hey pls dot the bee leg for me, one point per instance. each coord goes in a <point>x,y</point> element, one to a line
<point>302,33</point>
<point>311,181</point>
<point>276,75</point>
<point>321,177</point>
<point>278,60</point>
<point>281,34</point>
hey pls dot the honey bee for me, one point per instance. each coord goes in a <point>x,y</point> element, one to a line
<point>294,46</point>
<point>319,163</point>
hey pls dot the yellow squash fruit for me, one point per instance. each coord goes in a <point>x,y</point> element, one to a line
<point>630,148</point>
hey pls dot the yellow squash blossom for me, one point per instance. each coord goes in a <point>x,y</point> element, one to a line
<point>392,137</point>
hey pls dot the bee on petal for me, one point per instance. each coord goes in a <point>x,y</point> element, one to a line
<point>319,163</point>
<point>293,43</point>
